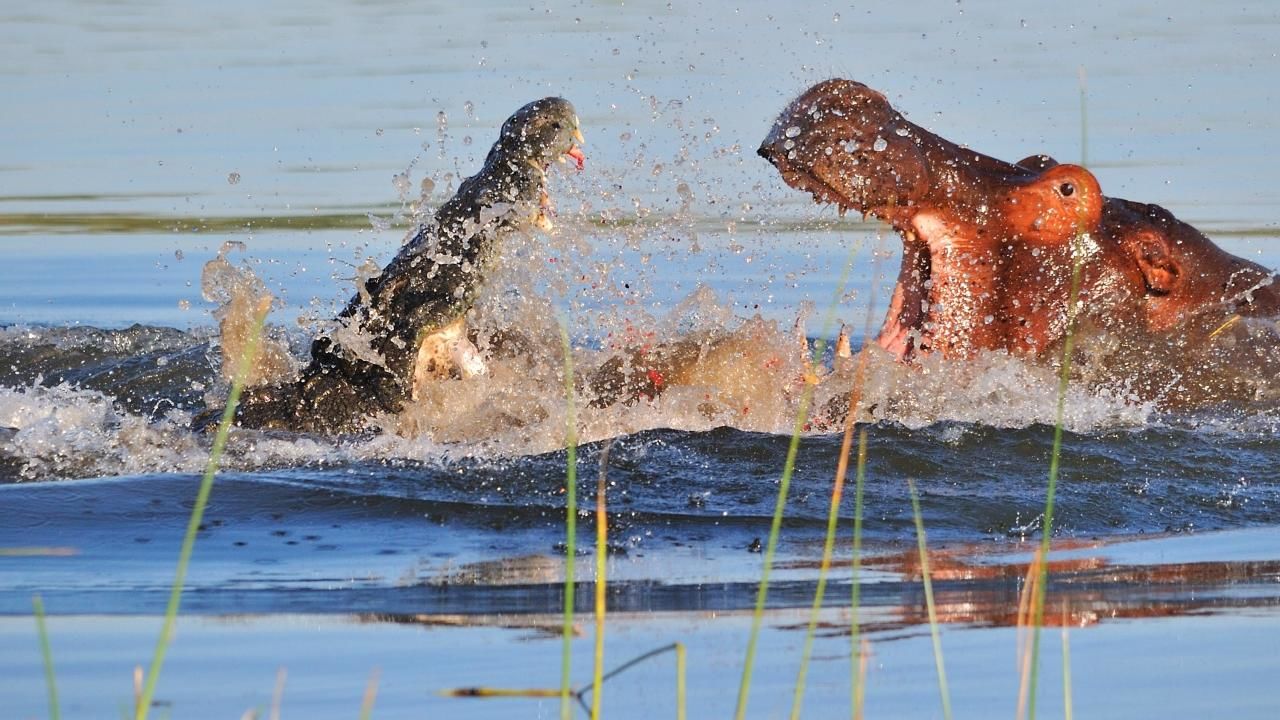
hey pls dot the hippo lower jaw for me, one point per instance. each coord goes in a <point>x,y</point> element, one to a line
<point>925,236</point>
<point>905,323</point>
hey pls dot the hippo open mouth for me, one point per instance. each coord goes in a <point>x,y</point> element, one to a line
<point>968,221</point>
<point>992,250</point>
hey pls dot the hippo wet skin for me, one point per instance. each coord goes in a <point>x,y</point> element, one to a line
<point>990,249</point>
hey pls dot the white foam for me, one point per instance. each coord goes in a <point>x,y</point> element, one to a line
<point>64,432</point>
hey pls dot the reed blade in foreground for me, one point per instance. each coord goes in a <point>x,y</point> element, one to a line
<point>144,698</point>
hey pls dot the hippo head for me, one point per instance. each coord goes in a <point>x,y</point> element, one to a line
<point>989,247</point>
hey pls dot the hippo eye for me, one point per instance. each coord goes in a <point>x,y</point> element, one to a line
<point>1067,189</point>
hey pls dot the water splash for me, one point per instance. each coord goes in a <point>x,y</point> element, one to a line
<point>238,292</point>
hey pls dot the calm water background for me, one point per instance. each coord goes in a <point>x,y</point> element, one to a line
<point>139,137</point>
<point>142,111</point>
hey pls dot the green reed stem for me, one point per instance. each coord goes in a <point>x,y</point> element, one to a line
<point>828,546</point>
<point>1067,712</point>
<point>775,527</point>
<point>1084,119</point>
<point>46,652</point>
<point>571,526</point>
<point>802,415</point>
<point>1038,598</point>
<point>858,645</point>
<point>1064,375</point>
<point>922,544</point>
<point>624,667</point>
<point>602,552</point>
<point>858,687</point>
<point>681,674</point>
<point>370,694</point>
<point>277,694</point>
<point>247,358</point>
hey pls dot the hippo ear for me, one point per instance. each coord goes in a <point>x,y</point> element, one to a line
<point>1037,162</point>
<point>1160,269</point>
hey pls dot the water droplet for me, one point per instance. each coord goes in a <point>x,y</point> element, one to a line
<point>989,319</point>
<point>835,18</point>
<point>880,144</point>
<point>849,146</point>
<point>401,183</point>
<point>466,139</point>
<point>469,108</point>
<point>902,132</point>
<point>233,178</point>
<point>788,144</point>
<point>378,132</point>
<point>793,131</point>
<point>184,304</point>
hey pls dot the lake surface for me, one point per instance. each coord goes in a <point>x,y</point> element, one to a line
<point>143,137</point>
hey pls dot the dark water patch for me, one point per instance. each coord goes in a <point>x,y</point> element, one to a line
<point>148,370</point>
<point>975,482</point>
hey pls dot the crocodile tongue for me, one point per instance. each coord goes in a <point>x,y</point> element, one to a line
<point>575,152</point>
<point>545,210</point>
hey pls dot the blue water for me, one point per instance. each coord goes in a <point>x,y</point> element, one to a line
<point>140,137</point>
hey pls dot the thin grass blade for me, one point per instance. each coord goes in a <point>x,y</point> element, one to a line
<point>1077,261</point>
<point>571,525</point>
<point>681,688</point>
<point>277,694</point>
<point>602,552</point>
<point>833,512</point>
<point>46,653</point>
<point>370,694</point>
<point>934,632</point>
<point>144,698</point>
<point>1067,711</point>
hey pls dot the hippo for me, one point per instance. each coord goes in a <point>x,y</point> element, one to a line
<point>406,325</point>
<point>991,251</point>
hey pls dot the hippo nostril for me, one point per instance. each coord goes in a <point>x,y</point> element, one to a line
<point>1067,189</point>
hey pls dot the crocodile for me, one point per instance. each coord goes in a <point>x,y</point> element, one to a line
<point>407,325</point>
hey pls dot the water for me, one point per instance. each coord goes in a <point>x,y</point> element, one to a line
<point>142,137</point>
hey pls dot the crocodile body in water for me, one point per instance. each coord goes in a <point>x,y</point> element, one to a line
<point>407,324</point>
